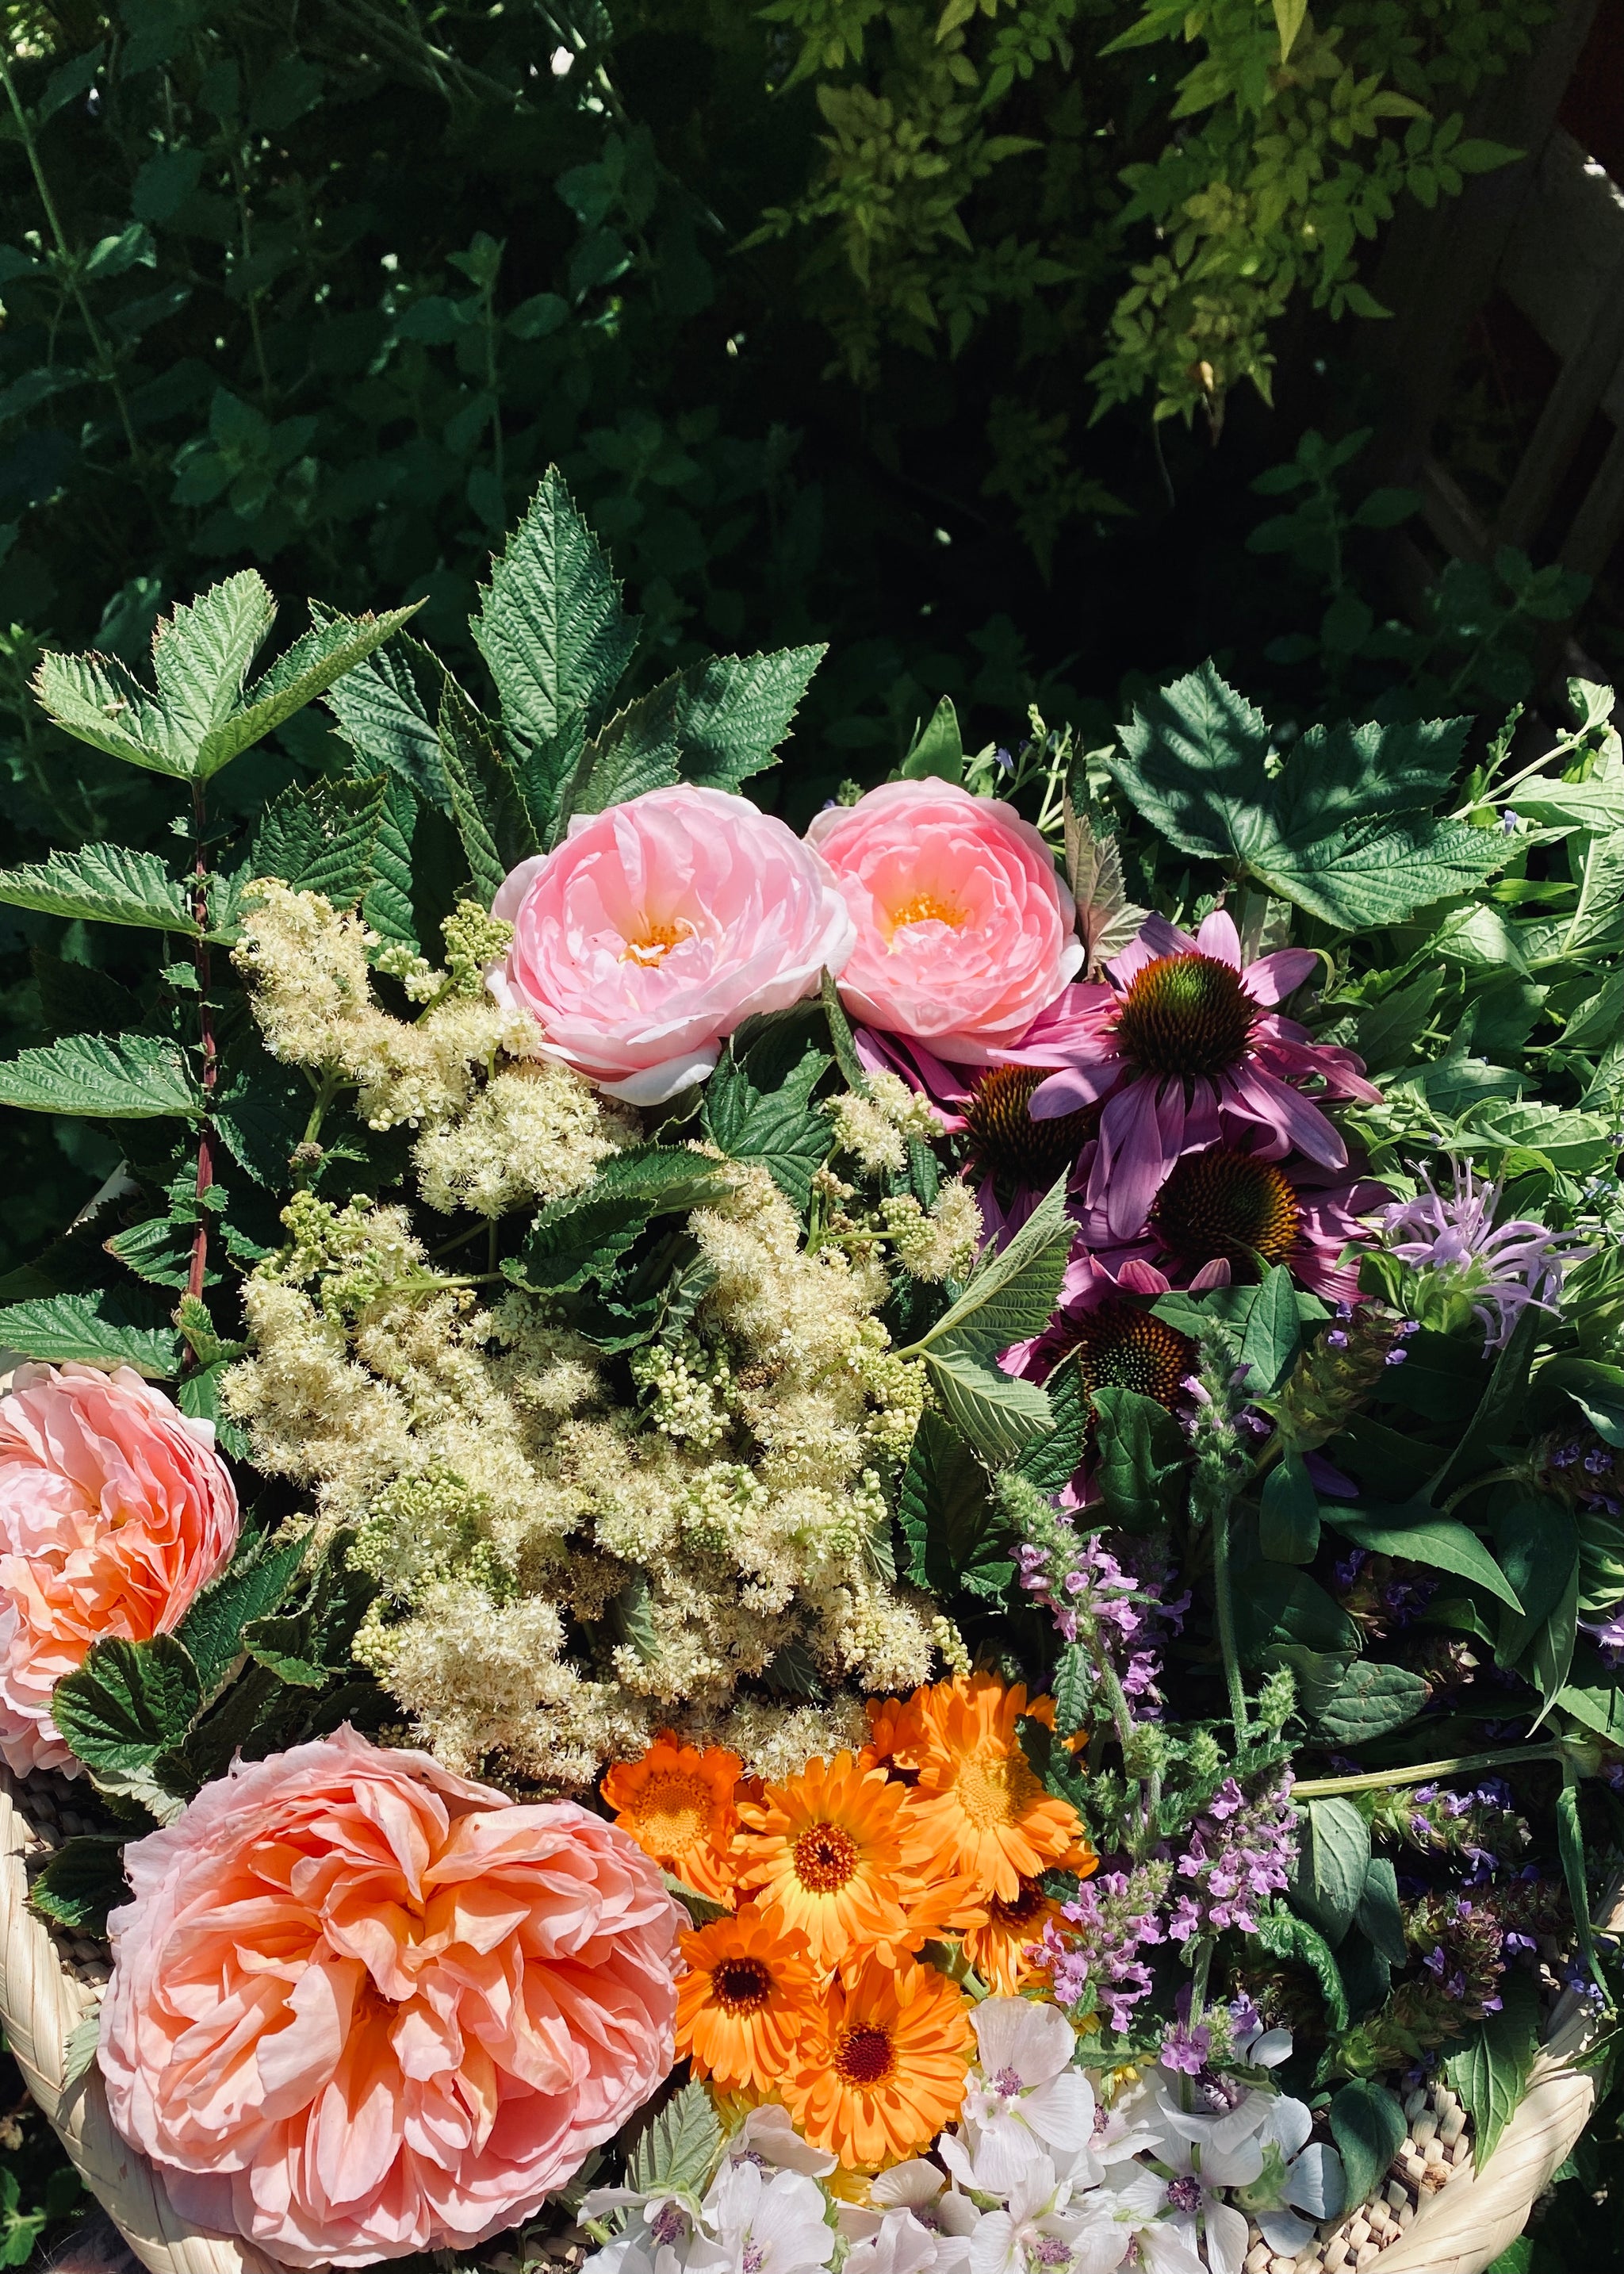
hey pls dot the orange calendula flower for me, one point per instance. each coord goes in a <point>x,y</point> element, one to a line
<point>892,1723</point>
<point>750,1994</point>
<point>978,1805</point>
<point>678,1805</point>
<point>885,2069</point>
<point>997,1947</point>
<point>824,1852</point>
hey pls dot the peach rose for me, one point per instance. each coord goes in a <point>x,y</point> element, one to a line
<point>115,1508</point>
<point>361,2006</point>
<point>964,928</point>
<point>658,926</point>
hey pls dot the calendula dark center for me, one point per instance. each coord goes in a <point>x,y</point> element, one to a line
<point>1019,1910</point>
<point>864,2055</point>
<point>1224,1203</point>
<point>1121,1347</point>
<point>740,1985</point>
<point>1005,1142</point>
<point>1187,1014</point>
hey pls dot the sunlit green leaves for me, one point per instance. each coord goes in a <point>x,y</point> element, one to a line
<point>1342,826</point>
<point>116,1077</point>
<point>103,883</point>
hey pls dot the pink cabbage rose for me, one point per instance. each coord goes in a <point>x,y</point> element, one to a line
<point>658,926</point>
<point>115,1508</point>
<point>361,2006</point>
<point>964,928</point>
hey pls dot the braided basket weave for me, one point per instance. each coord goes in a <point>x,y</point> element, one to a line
<point>1459,2227</point>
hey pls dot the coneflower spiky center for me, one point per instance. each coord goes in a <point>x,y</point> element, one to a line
<point>1222,1203</point>
<point>1005,1142</point>
<point>1187,1014</point>
<point>1121,1347</point>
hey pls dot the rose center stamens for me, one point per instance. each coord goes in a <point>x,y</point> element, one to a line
<point>1187,1014</point>
<point>926,907</point>
<point>656,940</point>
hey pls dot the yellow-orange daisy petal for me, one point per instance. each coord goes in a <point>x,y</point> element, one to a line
<point>886,2069</point>
<point>978,1807</point>
<point>824,1852</point>
<point>997,1946</point>
<point>892,1721</point>
<point>678,1805</point>
<point>750,1994</point>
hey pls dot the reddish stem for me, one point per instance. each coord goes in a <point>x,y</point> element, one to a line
<point>205,1034</point>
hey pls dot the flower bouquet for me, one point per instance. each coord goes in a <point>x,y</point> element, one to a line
<point>891,1549</point>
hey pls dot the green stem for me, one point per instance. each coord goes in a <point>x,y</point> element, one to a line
<point>1225,1601</point>
<point>70,259</point>
<point>1489,1477</point>
<point>1426,1772</point>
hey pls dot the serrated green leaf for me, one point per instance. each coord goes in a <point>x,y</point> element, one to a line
<point>956,1535</point>
<point>386,708</point>
<point>997,1414</point>
<point>1142,1457</point>
<point>103,883</point>
<point>737,709</point>
<point>124,1704</point>
<point>777,1127</point>
<point>197,1396</point>
<point>100,701</point>
<point>1388,1030</point>
<point>1368,2126</point>
<point>1047,1462</point>
<point>484,803</point>
<point>679,2152</point>
<point>83,1881</point>
<point>1378,1918</point>
<point>309,667</point>
<point>386,904</point>
<point>581,1237</point>
<point>635,751</point>
<point>201,657</point>
<point>158,1251</point>
<point>704,1910</point>
<point>115,1076</point>
<point>1057,1768</point>
<point>253,1585</point>
<point>1012,1294</point>
<point>322,839</point>
<point>1074,1684</point>
<point>113,1326</point>
<point>550,629</point>
<point>1491,2070</point>
<point>1283,1935</point>
<point>1321,833</point>
<point>79,2056</point>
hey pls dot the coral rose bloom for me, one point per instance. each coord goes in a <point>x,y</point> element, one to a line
<point>658,926</point>
<point>964,931</point>
<point>115,1508</point>
<point>361,2006</point>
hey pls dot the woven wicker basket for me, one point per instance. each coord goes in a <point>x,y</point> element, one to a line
<point>1459,2227</point>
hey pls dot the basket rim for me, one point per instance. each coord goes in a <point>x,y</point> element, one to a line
<point>1460,2230</point>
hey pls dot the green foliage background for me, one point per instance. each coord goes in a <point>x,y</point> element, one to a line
<point>900,326</point>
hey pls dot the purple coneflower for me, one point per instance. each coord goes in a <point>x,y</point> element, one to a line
<point>1186,1048</point>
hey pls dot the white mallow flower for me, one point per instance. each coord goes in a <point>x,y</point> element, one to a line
<point>768,2135</point>
<point>1296,2177</point>
<point>1258,2046</point>
<point>1199,2168</point>
<point>665,2234</point>
<point>919,2192</point>
<point>1050,2226</point>
<point>900,2245</point>
<point>1025,2103</point>
<point>1142,2215</point>
<point>769,2222</point>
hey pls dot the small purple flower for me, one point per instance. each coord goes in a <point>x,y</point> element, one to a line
<point>1186,2050</point>
<point>1501,1270</point>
